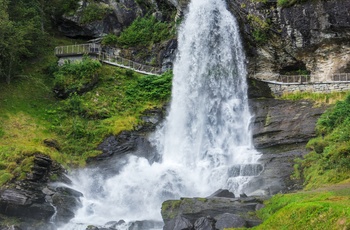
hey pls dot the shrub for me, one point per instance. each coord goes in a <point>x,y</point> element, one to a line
<point>75,76</point>
<point>109,39</point>
<point>259,36</point>
<point>152,87</point>
<point>143,32</point>
<point>335,116</point>
<point>93,12</point>
<point>329,162</point>
<point>261,28</point>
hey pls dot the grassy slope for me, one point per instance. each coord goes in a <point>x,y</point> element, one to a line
<point>325,208</point>
<point>23,125</point>
<point>29,114</point>
<point>325,202</point>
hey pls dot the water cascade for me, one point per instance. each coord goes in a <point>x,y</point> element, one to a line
<point>205,143</point>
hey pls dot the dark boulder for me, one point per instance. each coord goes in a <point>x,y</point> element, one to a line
<point>178,223</point>
<point>222,193</point>
<point>21,203</point>
<point>181,214</point>
<point>145,225</point>
<point>205,223</point>
<point>66,201</point>
<point>228,220</point>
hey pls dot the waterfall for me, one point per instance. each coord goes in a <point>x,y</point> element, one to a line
<point>205,143</point>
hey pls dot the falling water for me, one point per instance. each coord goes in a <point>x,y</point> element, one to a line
<point>205,143</point>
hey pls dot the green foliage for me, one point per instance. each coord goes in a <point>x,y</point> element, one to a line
<point>260,28</point>
<point>144,31</point>
<point>317,144</point>
<point>318,98</point>
<point>329,159</point>
<point>5,177</point>
<point>73,76</point>
<point>289,3</point>
<point>60,7</point>
<point>316,210</point>
<point>29,113</point>
<point>2,132</point>
<point>112,106</point>
<point>152,87</point>
<point>109,39</point>
<point>335,116</point>
<point>259,36</point>
<point>93,12</point>
<point>17,28</point>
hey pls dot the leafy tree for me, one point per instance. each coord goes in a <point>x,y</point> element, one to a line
<point>12,44</point>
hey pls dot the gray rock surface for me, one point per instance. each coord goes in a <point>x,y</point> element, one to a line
<point>222,193</point>
<point>203,213</point>
<point>118,15</point>
<point>282,122</point>
<point>178,223</point>
<point>228,220</point>
<point>312,36</point>
<point>32,200</point>
<point>205,223</point>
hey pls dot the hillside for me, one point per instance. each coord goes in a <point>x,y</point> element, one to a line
<point>38,124</point>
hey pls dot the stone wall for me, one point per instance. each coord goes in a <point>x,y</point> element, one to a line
<point>278,88</point>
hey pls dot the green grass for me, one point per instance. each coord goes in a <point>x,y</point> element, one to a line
<point>318,98</point>
<point>30,113</point>
<point>325,201</point>
<point>329,159</point>
<point>328,163</point>
<point>329,209</point>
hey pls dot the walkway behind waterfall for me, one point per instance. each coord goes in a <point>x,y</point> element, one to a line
<point>109,57</point>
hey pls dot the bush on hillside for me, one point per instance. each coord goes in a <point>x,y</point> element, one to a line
<point>76,77</point>
<point>144,31</point>
<point>329,161</point>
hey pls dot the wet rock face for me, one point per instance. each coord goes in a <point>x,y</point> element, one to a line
<point>117,16</point>
<point>281,122</point>
<point>131,141</point>
<point>312,36</point>
<point>281,128</point>
<point>33,199</point>
<point>210,213</point>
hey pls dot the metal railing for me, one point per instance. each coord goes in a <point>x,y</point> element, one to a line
<point>109,58</point>
<point>129,64</point>
<point>80,49</point>
<point>294,78</point>
<point>302,79</point>
<point>340,77</point>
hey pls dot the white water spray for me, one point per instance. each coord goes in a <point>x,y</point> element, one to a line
<point>205,143</point>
